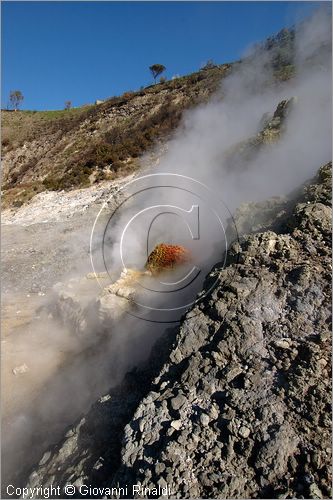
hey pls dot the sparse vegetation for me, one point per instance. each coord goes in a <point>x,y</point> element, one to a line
<point>77,146</point>
<point>16,97</point>
<point>128,94</point>
<point>156,70</point>
<point>209,65</point>
<point>281,47</point>
<point>79,151</point>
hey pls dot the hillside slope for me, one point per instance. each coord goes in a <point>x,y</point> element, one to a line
<point>55,150</point>
<point>68,149</point>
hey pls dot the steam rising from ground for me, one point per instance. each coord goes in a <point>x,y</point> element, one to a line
<point>200,147</point>
<point>234,114</point>
<point>198,150</point>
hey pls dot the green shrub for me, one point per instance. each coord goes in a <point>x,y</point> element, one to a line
<point>5,142</point>
<point>17,203</point>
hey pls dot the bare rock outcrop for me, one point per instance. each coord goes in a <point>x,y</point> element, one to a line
<point>242,407</point>
<point>271,128</point>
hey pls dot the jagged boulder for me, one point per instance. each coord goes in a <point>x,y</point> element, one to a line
<point>83,307</point>
<point>271,128</point>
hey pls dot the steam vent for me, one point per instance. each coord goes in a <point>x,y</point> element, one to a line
<point>165,257</point>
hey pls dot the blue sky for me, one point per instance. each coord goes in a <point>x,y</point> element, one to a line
<point>83,51</point>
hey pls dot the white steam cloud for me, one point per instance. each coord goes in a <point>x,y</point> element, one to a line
<point>199,148</point>
<point>234,114</point>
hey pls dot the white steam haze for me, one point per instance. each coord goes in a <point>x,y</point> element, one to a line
<point>197,150</point>
<point>234,114</point>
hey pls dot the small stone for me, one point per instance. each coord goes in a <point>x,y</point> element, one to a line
<point>78,482</point>
<point>244,432</point>
<point>315,491</point>
<point>159,468</point>
<point>162,482</point>
<point>178,401</point>
<point>18,370</point>
<point>283,343</point>
<point>99,464</point>
<point>176,424</point>
<point>213,413</point>
<point>233,373</point>
<point>141,425</point>
<point>324,336</point>
<point>34,288</point>
<point>204,419</point>
<point>103,399</point>
<point>45,458</point>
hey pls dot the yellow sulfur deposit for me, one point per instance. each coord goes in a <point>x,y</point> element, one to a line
<point>165,257</point>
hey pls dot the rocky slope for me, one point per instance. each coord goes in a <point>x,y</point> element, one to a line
<point>235,403</point>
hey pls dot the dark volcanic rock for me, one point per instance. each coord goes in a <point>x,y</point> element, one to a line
<point>271,128</point>
<point>253,365</point>
<point>238,405</point>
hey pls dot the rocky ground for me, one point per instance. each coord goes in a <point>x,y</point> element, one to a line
<point>235,403</point>
<point>43,242</point>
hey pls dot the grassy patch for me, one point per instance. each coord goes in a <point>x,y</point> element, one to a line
<point>63,113</point>
<point>18,196</point>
